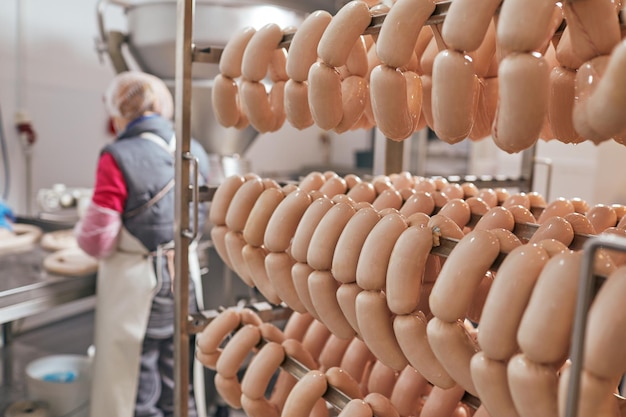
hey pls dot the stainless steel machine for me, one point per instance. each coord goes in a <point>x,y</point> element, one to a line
<point>149,43</point>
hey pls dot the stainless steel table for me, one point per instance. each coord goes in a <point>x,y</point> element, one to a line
<point>27,289</point>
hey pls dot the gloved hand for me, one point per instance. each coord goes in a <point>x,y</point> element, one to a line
<point>6,216</point>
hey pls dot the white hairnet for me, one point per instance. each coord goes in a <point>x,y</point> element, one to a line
<point>131,94</point>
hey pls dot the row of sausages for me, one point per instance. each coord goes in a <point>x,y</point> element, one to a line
<point>356,256</point>
<point>346,365</point>
<point>512,75</point>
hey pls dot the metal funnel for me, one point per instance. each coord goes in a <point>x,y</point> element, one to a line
<point>151,42</point>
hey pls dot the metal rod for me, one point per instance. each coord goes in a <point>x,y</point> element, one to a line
<point>583,301</point>
<point>549,165</point>
<point>184,15</point>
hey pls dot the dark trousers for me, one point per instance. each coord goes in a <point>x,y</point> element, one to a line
<point>155,394</point>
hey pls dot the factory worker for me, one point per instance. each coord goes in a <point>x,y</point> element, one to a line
<point>7,218</point>
<point>129,227</point>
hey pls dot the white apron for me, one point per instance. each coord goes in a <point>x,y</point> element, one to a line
<point>126,285</point>
<point>124,291</point>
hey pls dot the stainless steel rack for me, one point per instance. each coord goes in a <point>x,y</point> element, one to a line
<point>186,54</point>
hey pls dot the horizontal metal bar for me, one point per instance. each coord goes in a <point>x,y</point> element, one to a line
<point>266,312</point>
<point>205,193</point>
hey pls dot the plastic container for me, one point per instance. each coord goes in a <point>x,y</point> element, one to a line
<point>62,381</point>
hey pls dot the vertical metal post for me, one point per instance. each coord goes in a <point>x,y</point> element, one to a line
<point>184,26</point>
<point>528,167</point>
<point>394,156</point>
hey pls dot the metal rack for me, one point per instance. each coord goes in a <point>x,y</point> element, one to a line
<point>268,313</point>
<point>186,194</point>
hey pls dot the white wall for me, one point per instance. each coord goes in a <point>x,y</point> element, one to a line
<point>49,69</point>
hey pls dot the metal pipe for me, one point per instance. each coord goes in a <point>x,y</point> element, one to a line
<point>100,8</point>
<point>549,165</point>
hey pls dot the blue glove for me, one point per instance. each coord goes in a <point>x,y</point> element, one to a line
<point>6,216</point>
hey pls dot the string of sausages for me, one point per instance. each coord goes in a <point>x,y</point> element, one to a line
<point>358,257</point>
<point>328,364</point>
<point>505,69</point>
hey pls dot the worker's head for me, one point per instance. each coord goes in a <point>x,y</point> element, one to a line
<point>133,94</point>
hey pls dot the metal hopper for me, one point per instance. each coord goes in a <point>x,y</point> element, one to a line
<point>149,41</point>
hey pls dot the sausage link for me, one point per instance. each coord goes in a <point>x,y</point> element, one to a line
<point>522,25</point>
<point>346,298</point>
<point>259,50</point>
<point>454,95</point>
<point>389,94</point>
<point>323,288</point>
<point>256,224</point>
<point>356,359</point>
<point>333,352</point>
<point>400,30</point>
<point>407,264</point>
<point>595,28</point>
<point>297,108</point>
<point>342,33</point>
<point>375,322</point>
<point>561,104</point>
<point>256,105</point>
<point>467,22</point>
<point>218,237</point>
<point>309,220</point>
<point>371,272</point>
<point>344,382</point>
<point>454,348</point>
<point>303,48</point>
<point>297,325</point>
<point>282,225</point>
<point>548,341</point>
<point>222,198</point>
<point>229,389</point>
<point>235,243</point>
<point>225,101</point>
<point>235,352</point>
<point>604,340</point>
<point>325,99</point>
<point>381,405</point>
<point>232,55</point>
<point>490,379</point>
<point>524,86</point>
<point>609,94</point>
<point>261,369</point>
<point>300,274</point>
<point>278,266</point>
<point>534,387</point>
<point>326,235</point>
<point>254,258</point>
<point>259,407</point>
<point>408,390</point>
<point>307,391</point>
<point>454,289</point>
<point>507,301</point>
